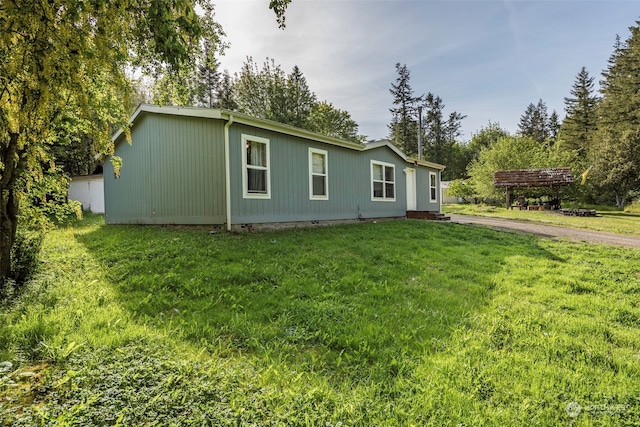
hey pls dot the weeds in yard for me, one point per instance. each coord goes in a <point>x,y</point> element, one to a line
<point>395,323</point>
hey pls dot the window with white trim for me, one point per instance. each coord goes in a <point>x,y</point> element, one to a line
<point>383,181</point>
<point>433,188</point>
<point>318,175</point>
<point>256,180</point>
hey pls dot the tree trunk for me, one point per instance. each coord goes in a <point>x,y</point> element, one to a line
<point>620,200</point>
<point>8,227</point>
<point>8,204</point>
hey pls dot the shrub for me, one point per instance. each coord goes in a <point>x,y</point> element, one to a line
<point>25,255</point>
<point>634,207</point>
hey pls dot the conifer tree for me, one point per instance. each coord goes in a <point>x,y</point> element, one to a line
<point>208,78</point>
<point>580,122</point>
<point>534,123</point>
<point>554,127</point>
<point>403,129</point>
<point>300,100</point>
<point>225,95</point>
<point>616,153</point>
<point>439,133</point>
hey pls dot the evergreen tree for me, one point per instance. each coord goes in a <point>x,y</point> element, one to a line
<point>300,100</point>
<point>270,94</point>
<point>616,153</point>
<point>534,123</point>
<point>580,122</point>
<point>208,78</point>
<point>440,134</point>
<point>403,130</point>
<point>226,95</point>
<point>554,127</point>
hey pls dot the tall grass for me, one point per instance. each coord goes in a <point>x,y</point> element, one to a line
<point>395,323</point>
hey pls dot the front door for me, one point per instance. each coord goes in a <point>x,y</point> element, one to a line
<point>412,203</point>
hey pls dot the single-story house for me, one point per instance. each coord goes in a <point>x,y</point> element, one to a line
<point>88,190</point>
<point>188,165</point>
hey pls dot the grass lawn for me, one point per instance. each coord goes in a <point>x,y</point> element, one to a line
<point>610,221</point>
<point>391,324</point>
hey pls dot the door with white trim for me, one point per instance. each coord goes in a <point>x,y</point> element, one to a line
<point>412,203</point>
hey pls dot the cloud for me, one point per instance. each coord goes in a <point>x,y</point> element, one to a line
<point>486,59</point>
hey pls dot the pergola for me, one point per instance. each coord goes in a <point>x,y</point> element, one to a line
<point>554,178</point>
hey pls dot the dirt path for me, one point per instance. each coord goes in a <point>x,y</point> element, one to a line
<point>552,231</point>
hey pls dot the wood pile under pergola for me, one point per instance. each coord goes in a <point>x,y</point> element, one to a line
<point>553,178</point>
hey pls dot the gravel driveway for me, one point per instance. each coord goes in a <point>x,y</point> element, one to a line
<point>552,231</point>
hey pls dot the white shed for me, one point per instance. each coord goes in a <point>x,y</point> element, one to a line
<point>88,190</point>
<point>447,199</point>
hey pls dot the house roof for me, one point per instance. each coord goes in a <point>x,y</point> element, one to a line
<point>528,178</point>
<point>387,143</point>
<point>235,117</point>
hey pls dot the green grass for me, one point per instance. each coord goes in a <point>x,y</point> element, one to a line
<point>395,323</point>
<point>610,221</point>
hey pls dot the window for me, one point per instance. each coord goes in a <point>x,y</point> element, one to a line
<point>255,161</point>
<point>433,188</point>
<point>383,182</point>
<point>318,185</point>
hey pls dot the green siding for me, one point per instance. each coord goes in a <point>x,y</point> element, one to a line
<point>422,184</point>
<point>172,173</point>
<point>349,179</point>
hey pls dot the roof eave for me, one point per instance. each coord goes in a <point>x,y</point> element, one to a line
<point>413,161</point>
<point>287,129</point>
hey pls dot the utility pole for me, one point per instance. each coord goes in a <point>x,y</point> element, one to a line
<point>419,132</point>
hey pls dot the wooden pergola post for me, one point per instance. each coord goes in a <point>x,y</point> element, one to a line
<point>508,201</point>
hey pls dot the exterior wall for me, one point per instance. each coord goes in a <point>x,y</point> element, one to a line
<point>88,190</point>
<point>172,173</point>
<point>424,202</point>
<point>349,182</point>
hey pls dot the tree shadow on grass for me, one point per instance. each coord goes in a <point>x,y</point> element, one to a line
<point>363,301</point>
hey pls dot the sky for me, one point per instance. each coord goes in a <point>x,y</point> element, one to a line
<point>486,59</point>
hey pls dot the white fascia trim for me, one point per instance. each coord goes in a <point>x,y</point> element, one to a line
<point>385,143</point>
<point>215,113</point>
<point>290,130</point>
<point>172,110</point>
<point>411,160</point>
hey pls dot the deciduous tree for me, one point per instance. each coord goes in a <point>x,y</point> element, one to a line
<point>51,51</point>
<point>331,121</point>
<point>269,93</point>
<point>513,152</point>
